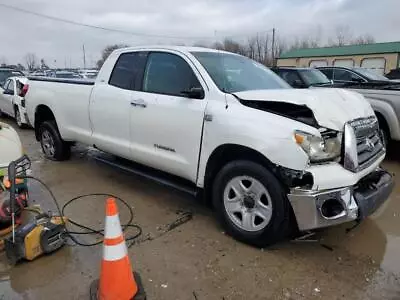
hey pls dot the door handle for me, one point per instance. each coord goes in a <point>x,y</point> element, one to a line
<point>139,103</point>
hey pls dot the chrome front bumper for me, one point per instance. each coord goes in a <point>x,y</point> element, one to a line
<point>357,202</point>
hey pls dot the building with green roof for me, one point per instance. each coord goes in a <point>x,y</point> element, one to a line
<point>380,57</point>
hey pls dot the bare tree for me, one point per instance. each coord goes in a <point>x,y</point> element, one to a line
<point>343,35</point>
<point>363,39</point>
<point>280,47</point>
<point>267,57</point>
<point>31,61</point>
<point>107,51</point>
<point>251,47</point>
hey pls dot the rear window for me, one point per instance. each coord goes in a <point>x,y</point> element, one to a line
<point>127,70</point>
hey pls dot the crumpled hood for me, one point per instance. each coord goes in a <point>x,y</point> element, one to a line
<point>332,107</point>
<point>10,145</point>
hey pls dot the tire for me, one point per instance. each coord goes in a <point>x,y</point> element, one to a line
<point>53,146</point>
<point>260,231</point>
<point>17,116</point>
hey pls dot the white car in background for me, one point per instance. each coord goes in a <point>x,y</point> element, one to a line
<point>12,99</point>
<point>88,74</point>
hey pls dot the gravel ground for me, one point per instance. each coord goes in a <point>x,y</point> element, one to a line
<point>197,260</point>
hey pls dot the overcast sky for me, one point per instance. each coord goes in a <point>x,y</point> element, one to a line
<point>200,20</point>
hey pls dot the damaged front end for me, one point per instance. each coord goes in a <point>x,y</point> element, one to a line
<point>300,113</point>
<point>342,181</point>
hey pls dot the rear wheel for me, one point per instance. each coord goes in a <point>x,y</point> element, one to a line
<point>53,146</point>
<point>251,204</point>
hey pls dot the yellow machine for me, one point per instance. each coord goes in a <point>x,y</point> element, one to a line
<point>44,235</point>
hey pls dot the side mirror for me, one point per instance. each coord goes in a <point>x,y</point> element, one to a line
<point>8,92</point>
<point>298,84</point>
<point>194,93</point>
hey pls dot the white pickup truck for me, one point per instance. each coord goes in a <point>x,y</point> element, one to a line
<point>266,155</point>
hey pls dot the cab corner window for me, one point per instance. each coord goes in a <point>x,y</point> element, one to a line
<point>168,74</point>
<point>127,70</point>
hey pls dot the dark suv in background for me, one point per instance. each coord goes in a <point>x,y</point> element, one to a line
<point>303,77</point>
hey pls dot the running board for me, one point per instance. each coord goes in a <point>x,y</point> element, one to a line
<point>149,173</point>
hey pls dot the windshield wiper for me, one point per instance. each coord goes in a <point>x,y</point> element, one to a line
<point>321,83</point>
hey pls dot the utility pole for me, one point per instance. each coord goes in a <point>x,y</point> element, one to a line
<point>273,47</point>
<point>84,56</point>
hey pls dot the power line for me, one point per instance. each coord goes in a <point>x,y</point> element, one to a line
<point>94,26</point>
<point>116,30</point>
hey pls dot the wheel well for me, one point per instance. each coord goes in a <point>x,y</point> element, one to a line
<point>383,123</point>
<point>227,153</point>
<point>43,113</point>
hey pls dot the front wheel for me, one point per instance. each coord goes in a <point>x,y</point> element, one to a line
<point>251,203</point>
<point>53,146</point>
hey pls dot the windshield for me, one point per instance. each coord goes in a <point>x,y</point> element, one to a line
<point>234,73</point>
<point>313,77</point>
<point>370,74</point>
<point>4,74</point>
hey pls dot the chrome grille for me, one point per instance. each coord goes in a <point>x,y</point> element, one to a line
<point>367,140</point>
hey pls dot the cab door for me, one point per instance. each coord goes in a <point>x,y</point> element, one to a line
<point>166,119</point>
<point>110,105</point>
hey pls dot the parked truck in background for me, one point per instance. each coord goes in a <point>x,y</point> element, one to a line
<point>381,92</point>
<point>266,155</point>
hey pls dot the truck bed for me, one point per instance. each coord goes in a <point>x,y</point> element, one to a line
<point>67,99</point>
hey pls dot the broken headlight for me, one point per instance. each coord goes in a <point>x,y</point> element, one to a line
<point>322,148</point>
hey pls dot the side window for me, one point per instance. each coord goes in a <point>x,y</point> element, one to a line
<point>168,74</point>
<point>328,73</point>
<point>342,75</point>
<point>127,70</point>
<point>356,78</point>
<point>290,77</point>
<point>6,84</point>
<point>11,86</point>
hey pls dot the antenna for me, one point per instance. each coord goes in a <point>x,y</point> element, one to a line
<point>222,68</point>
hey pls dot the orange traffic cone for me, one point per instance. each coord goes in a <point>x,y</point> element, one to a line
<point>117,282</point>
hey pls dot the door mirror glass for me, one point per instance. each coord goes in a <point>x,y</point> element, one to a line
<point>194,93</point>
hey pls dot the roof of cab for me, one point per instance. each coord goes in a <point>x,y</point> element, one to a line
<point>184,49</point>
